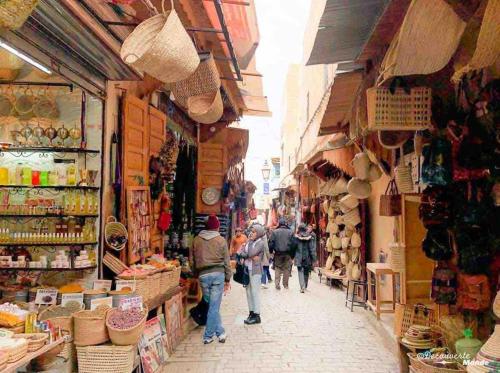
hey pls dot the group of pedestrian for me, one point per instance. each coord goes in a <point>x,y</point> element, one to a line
<point>255,250</point>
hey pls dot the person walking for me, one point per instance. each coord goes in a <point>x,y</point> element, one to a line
<point>279,244</point>
<point>253,253</point>
<point>303,249</point>
<point>211,264</point>
<point>238,240</point>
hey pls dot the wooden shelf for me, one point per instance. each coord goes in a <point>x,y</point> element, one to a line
<point>48,149</point>
<point>55,187</point>
<point>11,368</point>
<point>40,244</point>
<point>50,215</point>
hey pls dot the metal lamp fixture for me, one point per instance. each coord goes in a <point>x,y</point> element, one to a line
<point>266,171</point>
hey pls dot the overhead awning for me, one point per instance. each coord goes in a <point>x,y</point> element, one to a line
<point>344,29</point>
<point>252,92</point>
<point>343,92</point>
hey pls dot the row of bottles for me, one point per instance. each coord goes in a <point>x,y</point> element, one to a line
<point>62,175</point>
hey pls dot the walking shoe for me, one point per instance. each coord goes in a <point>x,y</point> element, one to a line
<point>222,338</point>
<point>254,320</point>
<point>250,316</point>
<point>286,287</point>
<point>207,341</point>
<point>302,290</point>
<point>264,286</point>
<point>278,287</point>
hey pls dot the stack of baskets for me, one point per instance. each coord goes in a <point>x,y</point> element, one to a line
<point>35,340</point>
<point>106,358</point>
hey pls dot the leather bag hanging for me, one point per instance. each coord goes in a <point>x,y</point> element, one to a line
<point>390,202</point>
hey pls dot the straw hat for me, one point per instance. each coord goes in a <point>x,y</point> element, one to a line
<point>348,202</point>
<point>359,188</point>
<point>161,47</point>
<point>489,354</point>
<point>419,336</point>
<point>394,139</point>
<point>206,109</point>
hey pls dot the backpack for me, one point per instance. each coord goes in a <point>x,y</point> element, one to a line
<point>473,292</point>
<point>444,286</point>
<point>437,165</point>
<point>436,244</point>
<point>435,207</point>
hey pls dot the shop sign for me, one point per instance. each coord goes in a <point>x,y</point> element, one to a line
<point>266,188</point>
<point>128,303</point>
<point>94,303</point>
<point>71,297</point>
<point>120,284</point>
<point>102,285</point>
<point>46,296</point>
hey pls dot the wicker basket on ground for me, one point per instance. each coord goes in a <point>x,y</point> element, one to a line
<point>106,358</point>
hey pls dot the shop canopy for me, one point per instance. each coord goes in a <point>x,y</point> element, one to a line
<point>344,29</point>
<point>343,93</point>
<point>324,157</point>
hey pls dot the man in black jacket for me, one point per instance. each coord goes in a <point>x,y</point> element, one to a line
<point>279,244</point>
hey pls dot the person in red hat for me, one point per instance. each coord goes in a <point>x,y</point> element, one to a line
<point>211,264</point>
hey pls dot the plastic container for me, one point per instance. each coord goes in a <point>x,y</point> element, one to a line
<point>35,177</point>
<point>44,178</point>
<point>468,347</point>
<point>26,176</point>
<point>4,176</point>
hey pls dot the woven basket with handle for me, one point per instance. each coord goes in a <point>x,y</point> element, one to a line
<point>161,47</point>
<point>114,264</point>
<point>206,108</point>
<point>90,328</point>
<point>115,228</point>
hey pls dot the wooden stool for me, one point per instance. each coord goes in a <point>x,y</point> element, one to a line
<point>360,300</point>
<point>375,302</point>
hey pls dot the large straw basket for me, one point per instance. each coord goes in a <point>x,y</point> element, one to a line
<point>99,359</point>
<point>175,278</point>
<point>397,257</point>
<point>125,337</point>
<point>154,284</point>
<point>35,340</point>
<point>161,47</point>
<point>141,286</point>
<point>407,315</point>
<point>13,13</point>
<point>164,280</point>
<point>205,80</point>
<point>421,365</point>
<point>115,228</point>
<point>113,263</point>
<point>399,111</point>
<point>207,108</point>
<point>90,328</point>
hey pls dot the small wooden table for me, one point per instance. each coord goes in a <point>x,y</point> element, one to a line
<point>376,270</point>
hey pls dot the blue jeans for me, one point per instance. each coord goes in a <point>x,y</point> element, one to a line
<point>266,275</point>
<point>212,286</point>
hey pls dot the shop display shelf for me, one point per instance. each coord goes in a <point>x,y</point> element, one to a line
<point>48,244</point>
<point>56,187</point>
<point>48,149</point>
<point>51,215</point>
<point>12,367</point>
<point>5,269</point>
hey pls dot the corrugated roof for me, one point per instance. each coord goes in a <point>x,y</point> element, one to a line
<point>344,29</point>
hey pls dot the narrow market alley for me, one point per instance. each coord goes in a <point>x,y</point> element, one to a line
<point>296,335</point>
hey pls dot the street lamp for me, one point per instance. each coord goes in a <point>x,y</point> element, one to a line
<point>266,171</point>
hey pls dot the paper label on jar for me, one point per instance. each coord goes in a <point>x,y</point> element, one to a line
<point>94,303</point>
<point>102,285</point>
<point>71,297</point>
<point>133,302</point>
<point>121,284</point>
<point>46,296</point>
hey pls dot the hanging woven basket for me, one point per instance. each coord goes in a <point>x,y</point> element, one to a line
<point>13,13</point>
<point>161,47</point>
<point>206,109</point>
<point>205,80</point>
<point>113,230</point>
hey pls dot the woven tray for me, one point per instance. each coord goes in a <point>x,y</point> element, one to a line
<point>35,340</point>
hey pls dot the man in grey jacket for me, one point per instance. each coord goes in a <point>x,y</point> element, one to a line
<point>279,244</point>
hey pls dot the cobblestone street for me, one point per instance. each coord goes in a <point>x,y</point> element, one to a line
<point>311,332</point>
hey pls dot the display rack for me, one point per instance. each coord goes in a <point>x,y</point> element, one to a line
<point>46,269</point>
<point>12,367</point>
<point>47,149</point>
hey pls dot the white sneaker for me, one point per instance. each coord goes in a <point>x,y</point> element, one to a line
<point>264,286</point>
<point>222,338</point>
<point>208,340</point>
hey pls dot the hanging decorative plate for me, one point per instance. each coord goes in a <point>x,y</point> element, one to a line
<point>210,196</point>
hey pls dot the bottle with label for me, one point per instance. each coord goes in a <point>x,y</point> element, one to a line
<point>71,174</point>
<point>61,174</point>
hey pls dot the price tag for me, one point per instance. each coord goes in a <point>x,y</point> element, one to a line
<point>120,284</point>
<point>102,285</point>
<point>94,303</point>
<point>133,302</point>
<point>71,297</point>
<point>46,296</point>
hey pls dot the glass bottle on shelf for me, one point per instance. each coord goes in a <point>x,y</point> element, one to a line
<point>27,175</point>
<point>61,174</point>
<point>71,174</point>
<point>53,177</point>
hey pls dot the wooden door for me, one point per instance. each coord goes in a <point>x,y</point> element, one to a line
<point>418,267</point>
<point>212,163</point>
<point>157,136</point>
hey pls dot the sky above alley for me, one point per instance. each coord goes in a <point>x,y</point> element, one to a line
<point>282,25</point>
